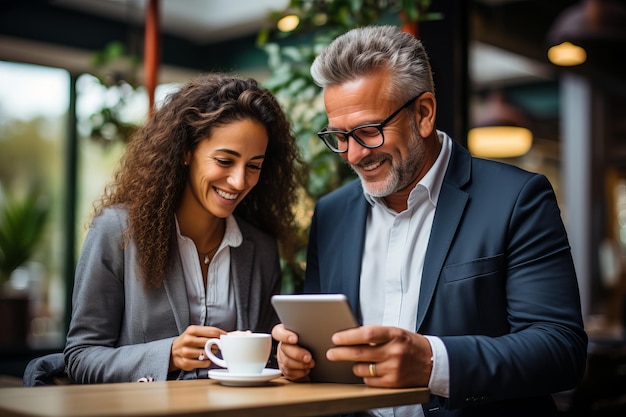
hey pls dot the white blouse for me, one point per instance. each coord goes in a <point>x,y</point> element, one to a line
<point>214,306</point>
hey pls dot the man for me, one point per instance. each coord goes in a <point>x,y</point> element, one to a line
<point>458,268</point>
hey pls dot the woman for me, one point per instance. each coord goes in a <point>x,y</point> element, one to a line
<point>183,244</point>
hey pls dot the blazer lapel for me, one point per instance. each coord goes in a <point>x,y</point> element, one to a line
<point>450,208</point>
<point>241,276</point>
<point>176,291</point>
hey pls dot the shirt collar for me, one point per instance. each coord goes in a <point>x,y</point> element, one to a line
<point>232,233</point>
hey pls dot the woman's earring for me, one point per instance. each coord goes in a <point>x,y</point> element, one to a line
<point>186,162</point>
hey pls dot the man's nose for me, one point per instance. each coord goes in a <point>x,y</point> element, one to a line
<point>355,152</point>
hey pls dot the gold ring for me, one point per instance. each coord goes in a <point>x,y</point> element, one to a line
<point>372,369</point>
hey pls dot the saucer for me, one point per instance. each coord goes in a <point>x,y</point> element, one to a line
<point>243,380</point>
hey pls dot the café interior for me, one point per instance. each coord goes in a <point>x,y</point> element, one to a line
<point>493,67</point>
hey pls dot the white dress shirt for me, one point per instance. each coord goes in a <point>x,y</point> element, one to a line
<point>392,265</point>
<point>215,305</point>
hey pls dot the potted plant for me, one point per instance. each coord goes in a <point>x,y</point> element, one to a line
<point>22,223</point>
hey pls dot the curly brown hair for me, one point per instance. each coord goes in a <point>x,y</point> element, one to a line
<point>152,176</point>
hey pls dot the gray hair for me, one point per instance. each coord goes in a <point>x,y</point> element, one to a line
<point>363,51</point>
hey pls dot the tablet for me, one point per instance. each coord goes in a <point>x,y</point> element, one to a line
<point>315,318</point>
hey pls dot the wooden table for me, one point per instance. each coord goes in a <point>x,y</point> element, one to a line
<point>202,397</point>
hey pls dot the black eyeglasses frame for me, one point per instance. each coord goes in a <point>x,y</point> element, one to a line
<point>324,132</point>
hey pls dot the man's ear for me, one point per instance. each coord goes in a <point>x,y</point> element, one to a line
<point>425,113</point>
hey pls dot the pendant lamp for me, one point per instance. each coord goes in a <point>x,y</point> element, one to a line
<point>499,130</point>
<point>585,26</point>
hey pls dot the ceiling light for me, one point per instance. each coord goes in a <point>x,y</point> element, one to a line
<point>499,130</point>
<point>567,54</point>
<point>288,23</point>
<point>499,141</point>
<point>585,26</point>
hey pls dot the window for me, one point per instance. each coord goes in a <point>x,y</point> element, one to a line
<point>34,102</point>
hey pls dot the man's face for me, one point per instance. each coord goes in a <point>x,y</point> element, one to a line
<point>392,166</point>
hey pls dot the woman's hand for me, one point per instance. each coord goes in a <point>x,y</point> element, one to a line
<point>188,348</point>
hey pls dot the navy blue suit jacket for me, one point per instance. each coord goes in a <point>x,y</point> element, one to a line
<point>498,286</point>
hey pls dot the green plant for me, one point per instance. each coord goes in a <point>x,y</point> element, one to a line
<point>290,56</point>
<point>22,222</point>
<point>115,70</point>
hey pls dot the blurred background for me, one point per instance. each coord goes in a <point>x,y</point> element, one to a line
<point>78,76</point>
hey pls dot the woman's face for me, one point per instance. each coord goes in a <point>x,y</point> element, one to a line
<point>225,166</point>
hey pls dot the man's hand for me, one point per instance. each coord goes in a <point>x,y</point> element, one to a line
<point>294,361</point>
<point>385,356</point>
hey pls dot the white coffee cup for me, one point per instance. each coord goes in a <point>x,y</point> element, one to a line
<point>243,352</point>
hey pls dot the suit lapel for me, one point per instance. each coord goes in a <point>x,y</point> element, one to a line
<point>450,208</point>
<point>353,225</point>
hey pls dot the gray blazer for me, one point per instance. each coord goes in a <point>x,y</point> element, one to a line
<point>121,331</point>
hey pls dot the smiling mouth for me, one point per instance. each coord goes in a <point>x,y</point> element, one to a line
<point>370,166</point>
<point>227,196</point>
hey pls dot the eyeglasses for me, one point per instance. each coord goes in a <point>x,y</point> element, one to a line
<point>369,135</point>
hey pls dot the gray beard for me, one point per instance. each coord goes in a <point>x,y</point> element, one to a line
<point>400,176</point>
